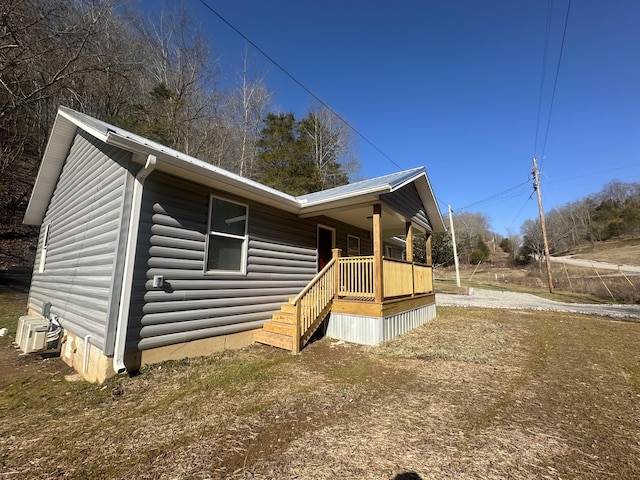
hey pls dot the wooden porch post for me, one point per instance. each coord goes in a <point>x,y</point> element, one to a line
<point>378,279</point>
<point>429,256</point>
<point>336,277</point>
<point>409,248</point>
<point>409,245</point>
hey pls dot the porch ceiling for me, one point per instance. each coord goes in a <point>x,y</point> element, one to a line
<point>361,216</point>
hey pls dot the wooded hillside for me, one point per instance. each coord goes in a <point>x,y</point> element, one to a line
<point>612,212</point>
<point>154,76</point>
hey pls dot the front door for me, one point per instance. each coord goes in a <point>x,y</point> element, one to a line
<point>325,244</point>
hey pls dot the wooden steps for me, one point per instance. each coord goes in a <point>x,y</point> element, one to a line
<point>279,331</point>
<point>292,327</point>
<point>279,327</point>
<point>273,339</point>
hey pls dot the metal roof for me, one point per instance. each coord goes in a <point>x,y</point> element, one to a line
<point>388,183</point>
<point>327,202</point>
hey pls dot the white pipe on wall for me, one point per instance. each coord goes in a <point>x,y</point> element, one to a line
<point>85,357</point>
<point>129,261</point>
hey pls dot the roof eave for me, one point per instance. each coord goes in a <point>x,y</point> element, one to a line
<point>429,200</point>
<point>207,174</point>
<point>58,145</point>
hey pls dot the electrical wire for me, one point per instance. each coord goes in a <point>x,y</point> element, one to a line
<point>495,196</point>
<point>543,74</point>
<point>300,84</point>
<point>520,211</point>
<point>555,83</point>
<point>595,173</point>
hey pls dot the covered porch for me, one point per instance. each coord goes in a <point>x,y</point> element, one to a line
<point>365,299</point>
<point>371,298</point>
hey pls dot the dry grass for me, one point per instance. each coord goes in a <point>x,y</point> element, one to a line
<point>571,283</point>
<point>475,394</point>
<point>620,252</point>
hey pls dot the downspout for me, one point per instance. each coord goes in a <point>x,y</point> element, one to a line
<point>129,261</point>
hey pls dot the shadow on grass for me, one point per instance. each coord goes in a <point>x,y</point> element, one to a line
<point>15,280</point>
<point>407,476</point>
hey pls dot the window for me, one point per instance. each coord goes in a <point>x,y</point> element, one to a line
<point>227,238</point>
<point>45,247</point>
<point>353,246</point>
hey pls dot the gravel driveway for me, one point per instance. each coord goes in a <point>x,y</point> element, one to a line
<point>581,262</point>
<point>525,301</point>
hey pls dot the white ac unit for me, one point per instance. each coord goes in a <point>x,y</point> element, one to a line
<point>32,333</point>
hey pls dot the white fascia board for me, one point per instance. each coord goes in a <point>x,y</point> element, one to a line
<point>408,181</point>
<point>327,203</point>
<point>338,207</point>
<point>190,168</point>
<point>55,154</point>
<point>99,134</point>
<point>429,200</point>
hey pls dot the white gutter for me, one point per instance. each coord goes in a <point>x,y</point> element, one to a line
<point>129,261</point>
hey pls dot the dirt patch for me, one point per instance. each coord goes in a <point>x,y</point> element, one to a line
<point>15,365</point>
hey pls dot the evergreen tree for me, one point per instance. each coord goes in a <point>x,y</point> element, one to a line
<point>442,249</point>
<point>298,157</point>
<point>283,162</point>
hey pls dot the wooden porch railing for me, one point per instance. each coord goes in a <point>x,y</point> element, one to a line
<point>401,278</point>
<point>352,278</point>
<point>356,278</point>
<point>422,278</point>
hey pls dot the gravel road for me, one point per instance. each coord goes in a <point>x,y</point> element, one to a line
<point>581,262</point>
<point>525,301</point>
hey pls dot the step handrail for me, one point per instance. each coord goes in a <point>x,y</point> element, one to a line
<point>315,280</point>
<point>308,308</point>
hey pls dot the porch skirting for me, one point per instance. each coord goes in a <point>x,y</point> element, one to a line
<point>366,330</point>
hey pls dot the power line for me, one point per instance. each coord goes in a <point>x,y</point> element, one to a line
<point>520,211</point>
<point>555,83</point>
<point>494,196</point>
<point>299,83</point>
<point>595,173</point>
<point>543,74</point>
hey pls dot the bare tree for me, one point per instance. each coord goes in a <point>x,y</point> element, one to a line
<point>332,145</point>
<point>50,51</point>
<point>532,241</point>
<point>181,98</point>
<point>250,101</point>
<point>472,229</point>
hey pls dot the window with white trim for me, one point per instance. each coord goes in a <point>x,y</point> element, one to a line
<point>353,246</point>
<point>45,247</point>
<point>227,236</point>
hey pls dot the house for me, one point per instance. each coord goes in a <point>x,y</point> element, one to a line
<point>147,254</point>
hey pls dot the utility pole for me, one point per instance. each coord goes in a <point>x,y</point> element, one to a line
<point>536,187</point>
<point>455,249</point>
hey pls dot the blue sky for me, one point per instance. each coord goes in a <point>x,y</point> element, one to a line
<point>455,86</point>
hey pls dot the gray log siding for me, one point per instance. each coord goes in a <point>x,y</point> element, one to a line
<point>407,201</point>
<point>87,214</point>
<point>281,260</point>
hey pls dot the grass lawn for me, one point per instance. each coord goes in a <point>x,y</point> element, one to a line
<point>477,393</point>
